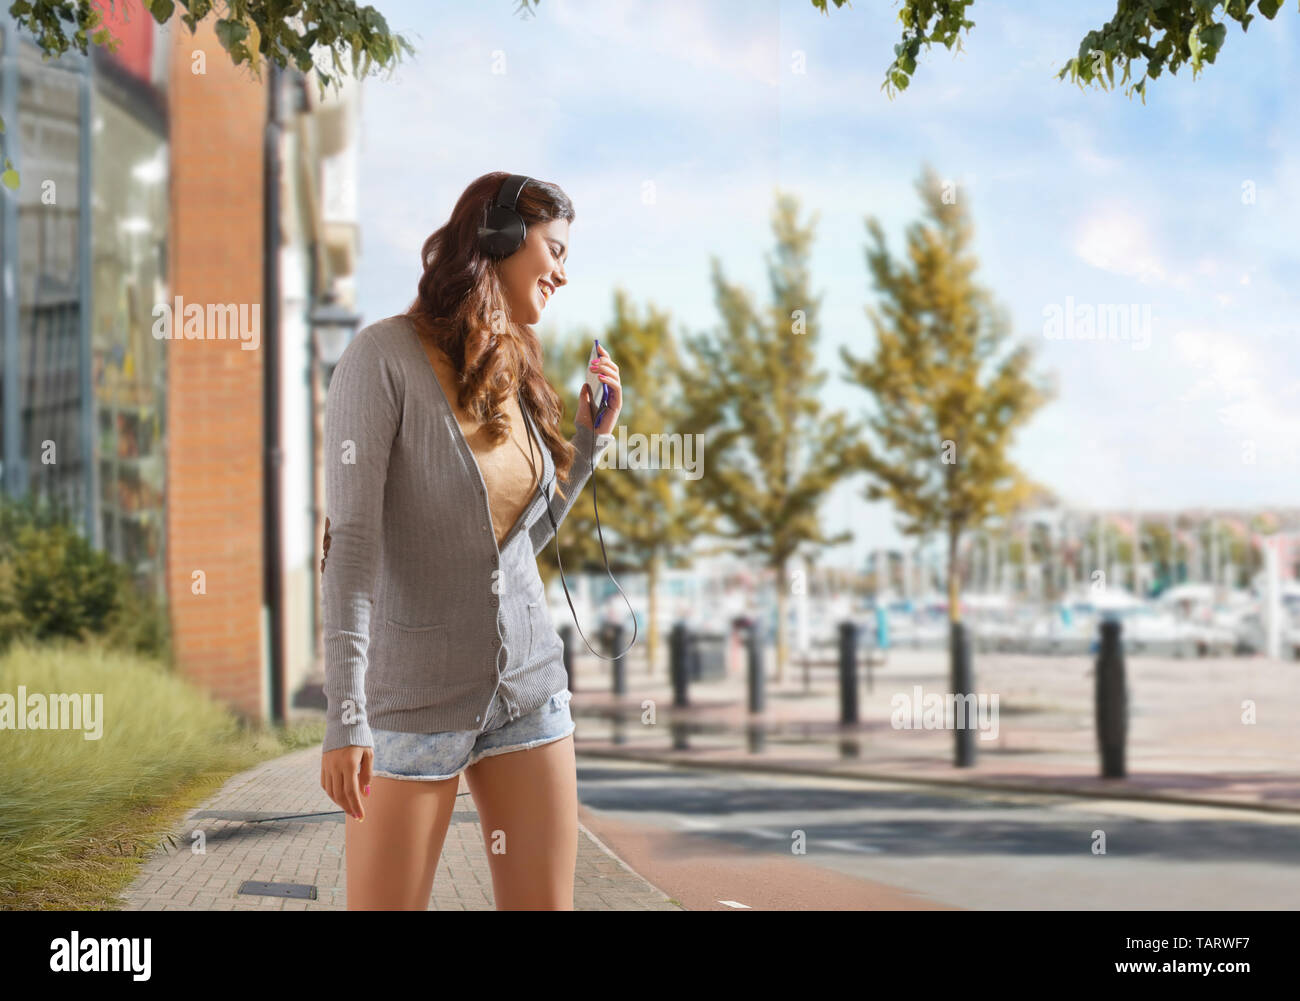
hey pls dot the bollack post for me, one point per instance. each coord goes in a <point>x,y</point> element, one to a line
<point>566,637</point>
<point>756,694</point>
<point>677,663</point>
<point>1112,700</point>
<point>962,685</point>
<point>848,672</point>
<point>614,638</point>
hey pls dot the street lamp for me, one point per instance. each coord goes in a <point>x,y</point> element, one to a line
<point>333,327</point>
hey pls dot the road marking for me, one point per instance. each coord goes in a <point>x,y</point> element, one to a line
<point>849,846</point>
<point>733,903</point>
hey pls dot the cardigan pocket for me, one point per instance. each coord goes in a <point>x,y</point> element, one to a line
<point>413,655</point>
<point>532,629</point>
<point>539,629</point>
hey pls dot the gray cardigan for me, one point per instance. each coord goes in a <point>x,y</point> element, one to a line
<point>424,617</point>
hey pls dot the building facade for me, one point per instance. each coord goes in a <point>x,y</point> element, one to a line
<point>177,225</point>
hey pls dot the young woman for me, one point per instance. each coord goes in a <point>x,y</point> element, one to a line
<point>445,472</point>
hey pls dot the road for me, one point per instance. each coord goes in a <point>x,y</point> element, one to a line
<point>718,840</point>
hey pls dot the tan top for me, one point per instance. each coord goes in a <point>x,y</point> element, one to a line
<point>510,481</point>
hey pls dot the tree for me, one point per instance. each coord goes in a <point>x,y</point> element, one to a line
<point>1165,34</point>
<point>753,393</point>
<point>648,515</point>
<point>251,31</point>
<point>948,392</point>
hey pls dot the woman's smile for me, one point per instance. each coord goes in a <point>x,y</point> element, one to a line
<point>534,272</point>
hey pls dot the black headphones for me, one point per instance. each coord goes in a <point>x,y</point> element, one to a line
<point>504,229</point>
<point>501,234</point>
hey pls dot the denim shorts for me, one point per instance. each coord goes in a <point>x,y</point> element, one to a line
<point>439,756</point>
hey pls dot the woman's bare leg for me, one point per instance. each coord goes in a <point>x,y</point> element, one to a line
<point>528,809</point>
<point>392,856</point>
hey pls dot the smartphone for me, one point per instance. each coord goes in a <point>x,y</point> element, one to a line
<point>599,390</point>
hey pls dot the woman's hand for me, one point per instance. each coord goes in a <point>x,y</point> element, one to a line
<point>345,775</point>
<point>608,375</point>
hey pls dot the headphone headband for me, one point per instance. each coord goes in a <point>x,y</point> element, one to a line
<point>510,188</point>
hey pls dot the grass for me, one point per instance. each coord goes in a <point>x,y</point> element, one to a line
<point>79,817</point>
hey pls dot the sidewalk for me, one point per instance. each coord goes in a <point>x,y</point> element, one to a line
<point>274,823</point>
<point>1187,741</point>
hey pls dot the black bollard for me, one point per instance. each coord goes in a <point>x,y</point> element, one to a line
<point>614,636</point>
<point>566,636</point>
<point>1112,700</point>
<point>848,672</point>
<point>962,685</point>
<point>677,666</point>
<point>756,699</point>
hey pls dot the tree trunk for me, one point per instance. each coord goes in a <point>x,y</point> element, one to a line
<point>780,622</point>
<point>652,611</point>
<point>954,577</point>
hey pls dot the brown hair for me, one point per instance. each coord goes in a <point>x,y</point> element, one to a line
<point>462,304</point>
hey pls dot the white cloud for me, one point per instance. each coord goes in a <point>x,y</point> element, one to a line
<point>1235,380</point>
<point>1080,145</point>
<point>1115,238</point>
<point>692,33</point>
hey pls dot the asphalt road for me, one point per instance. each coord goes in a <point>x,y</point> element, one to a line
<point>717,840</point>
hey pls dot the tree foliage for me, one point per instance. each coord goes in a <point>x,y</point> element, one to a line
<point>949,391</point>
<point>754,393</point>
<point>649,511</point>
<point>283,31</point>
<point>1156,35</point>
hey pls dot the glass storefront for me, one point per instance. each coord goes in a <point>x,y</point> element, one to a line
<point>83,421</point>
<point>128,364</point>
<point>52,453</point>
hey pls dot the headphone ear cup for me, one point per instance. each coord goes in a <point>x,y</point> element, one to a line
<point>505,232</point>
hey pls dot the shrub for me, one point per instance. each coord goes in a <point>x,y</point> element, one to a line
<point>53,583</point>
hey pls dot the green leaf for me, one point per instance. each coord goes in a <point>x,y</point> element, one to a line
<point>229,32</point>
<point>1269,8</point>
<point>10,179</point>
<point>161,10</point>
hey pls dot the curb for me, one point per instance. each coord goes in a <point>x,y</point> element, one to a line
<point>984,783</point>
<point>584,830</point>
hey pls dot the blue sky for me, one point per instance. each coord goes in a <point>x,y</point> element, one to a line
<point>1082,197</point>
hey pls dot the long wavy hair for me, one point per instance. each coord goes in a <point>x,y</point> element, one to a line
<point>461,303</point>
